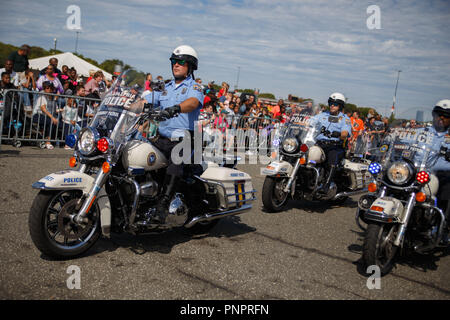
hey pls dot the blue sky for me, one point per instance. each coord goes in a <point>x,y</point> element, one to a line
<point>306,48</point>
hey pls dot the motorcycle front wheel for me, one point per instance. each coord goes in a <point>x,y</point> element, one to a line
<point>379,248</point>
<point>273,197</point>
<point>52,230</point>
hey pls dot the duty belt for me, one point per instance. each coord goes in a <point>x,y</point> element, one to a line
<point>330,142</point>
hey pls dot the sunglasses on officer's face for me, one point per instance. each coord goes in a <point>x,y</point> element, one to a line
<point>179,61</point>
<point>334,104</point>
<point>440,114</point>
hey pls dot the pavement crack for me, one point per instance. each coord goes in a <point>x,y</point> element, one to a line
<point>13,212</point>
<point>331,286</point>
<point>210,283</point>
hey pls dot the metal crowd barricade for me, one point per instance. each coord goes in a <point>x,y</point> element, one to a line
<point>239,135</point>
<point>20,123</point>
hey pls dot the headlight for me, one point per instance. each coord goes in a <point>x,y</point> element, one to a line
<point>290,145</point>
<point>86,143</point>
<point>399,172</point>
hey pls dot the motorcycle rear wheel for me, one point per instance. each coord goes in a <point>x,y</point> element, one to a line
<point>273,197</point>
<point>52,231</point>
<point>379,248</point>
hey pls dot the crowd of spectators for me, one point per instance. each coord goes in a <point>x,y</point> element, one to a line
<point>66,100</point>
<point>225,109</point>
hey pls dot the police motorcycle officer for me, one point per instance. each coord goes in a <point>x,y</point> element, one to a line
<point>180,103</point>
<point>441,132</point>
<point>336,128</point>
<point>409,210</point>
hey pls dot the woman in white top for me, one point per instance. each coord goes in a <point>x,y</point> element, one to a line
<point>43,113</point>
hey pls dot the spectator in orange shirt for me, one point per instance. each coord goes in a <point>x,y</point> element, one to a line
<point>276,109</point>
<point>357,125</point>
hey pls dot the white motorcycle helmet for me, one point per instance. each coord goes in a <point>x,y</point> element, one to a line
<point>337,97</point>
<point>441,108</point>
<point>187,53</point>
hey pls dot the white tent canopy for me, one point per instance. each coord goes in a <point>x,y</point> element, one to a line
<point>69,59</point>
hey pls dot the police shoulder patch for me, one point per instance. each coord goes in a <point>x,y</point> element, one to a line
<point>197,87</point>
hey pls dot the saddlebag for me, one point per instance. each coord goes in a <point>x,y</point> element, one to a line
<point>232,188</point>
<point>358,174</point>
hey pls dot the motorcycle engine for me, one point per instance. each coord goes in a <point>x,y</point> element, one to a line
<point>178,211</point>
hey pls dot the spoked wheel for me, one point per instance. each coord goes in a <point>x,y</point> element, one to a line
<point>273,197</point>
<point>379,248</point>
<point>52,228</point>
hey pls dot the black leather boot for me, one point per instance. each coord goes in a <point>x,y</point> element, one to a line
<point>325,188</point>
<point>162,208</point>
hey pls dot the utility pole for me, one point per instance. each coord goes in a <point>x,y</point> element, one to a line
<point>237,81</point>
<point>395,93</point>
<point>76,42</point>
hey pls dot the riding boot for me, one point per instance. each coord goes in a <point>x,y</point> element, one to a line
<point>324,189</point>
<point>162,208</point>
<point>446,236</point>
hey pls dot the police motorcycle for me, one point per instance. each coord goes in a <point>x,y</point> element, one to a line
<point>115,182</point>
<point>402,210</point>
<point>300,168</point>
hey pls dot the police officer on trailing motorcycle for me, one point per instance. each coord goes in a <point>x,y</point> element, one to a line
<point>180,103</point>
<point>441,131</point>
<point>336,128</point>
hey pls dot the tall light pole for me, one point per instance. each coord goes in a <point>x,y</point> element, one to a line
<point>395,93</point>
<point>54,42</point>
<point>237,80</point>
<point>76,42</point>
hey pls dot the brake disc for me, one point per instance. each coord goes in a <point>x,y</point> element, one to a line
<point>67,227</point>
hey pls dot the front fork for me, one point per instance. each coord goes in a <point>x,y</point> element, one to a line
<point>292,177</point>
<point>80,217</point>
<point>408,211</point>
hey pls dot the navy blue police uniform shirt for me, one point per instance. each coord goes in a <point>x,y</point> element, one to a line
<point>176,94</point>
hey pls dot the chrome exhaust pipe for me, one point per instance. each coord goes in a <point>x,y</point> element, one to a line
<point>217,215</point>
<point>351,193</point>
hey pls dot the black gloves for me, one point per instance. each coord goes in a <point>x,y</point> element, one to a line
<point>335,134</point>
<point>327,133</point>
<point>171,112</point>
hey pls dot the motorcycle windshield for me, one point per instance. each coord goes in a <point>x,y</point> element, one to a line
<point>304,127</point>
<point>119,111</point>
<point>417,146</point>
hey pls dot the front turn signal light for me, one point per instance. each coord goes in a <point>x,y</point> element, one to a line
<point>421,197</point>
<point>73,162</point>
<point>106,167</point>
<point>372,187</point>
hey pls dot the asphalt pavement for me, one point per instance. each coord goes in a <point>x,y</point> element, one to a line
<point>309,251</point>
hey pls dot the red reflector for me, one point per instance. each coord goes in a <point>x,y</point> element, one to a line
<point>304,148</point>
<point>102,145</point>
<point>423,177</point>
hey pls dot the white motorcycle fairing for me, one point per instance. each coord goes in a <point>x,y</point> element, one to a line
<point>76,180</point>
<point>277,167</point>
